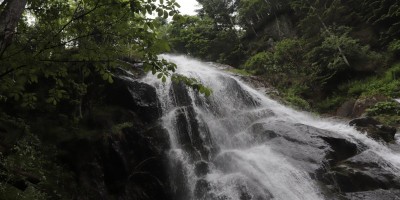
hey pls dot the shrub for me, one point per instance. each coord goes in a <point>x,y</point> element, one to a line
<point>330,103</point>
<point>387,107</point>
<point>286,58</point>
<point>30,159</point>
<point>293,98</point>
<point>394,47</point>
<point>261,63</point>
<point>288,55</point>
<point>388,84</point>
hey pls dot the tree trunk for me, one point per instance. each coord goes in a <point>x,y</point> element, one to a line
<point>9,18</point>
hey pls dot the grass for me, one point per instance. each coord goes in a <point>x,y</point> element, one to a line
<point>387,84</point>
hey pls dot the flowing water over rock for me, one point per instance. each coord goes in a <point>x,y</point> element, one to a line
<point>238,144</point>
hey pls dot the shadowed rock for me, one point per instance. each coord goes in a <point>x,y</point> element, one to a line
<point>374,128</point>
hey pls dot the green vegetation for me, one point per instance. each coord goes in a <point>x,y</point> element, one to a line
<point>388,107</point>
<point>31,170</point>
<point>317,53</point>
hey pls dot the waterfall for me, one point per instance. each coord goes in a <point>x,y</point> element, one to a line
<point>240,144</point>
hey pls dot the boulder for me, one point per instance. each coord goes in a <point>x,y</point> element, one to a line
<point>364,103</point>
<point>363,172</point>
<point>341,149</point>
<point>202,189</point>
<point>346,109</point>
<point>374,128</point>
<point>201,168</point>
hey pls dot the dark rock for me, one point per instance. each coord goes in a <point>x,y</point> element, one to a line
<point>194,153</point>
<point>136,71</point>
<point>261,134</point>
<point>374,195</point>
<point>363,122</point>
<point>178,176</point>
<point>363,172</point>
<point>123,166</point>
<point>136,96</point>
<point>374,128</point>
<point>158,139</point>
<point>128,164</point>
<point>181,94</point>
<point>341,149</point>
<point>201,189</point>
<point>192,132</point>
<point>201,169</point>
<point>301,144</point>
<point>346,109</point>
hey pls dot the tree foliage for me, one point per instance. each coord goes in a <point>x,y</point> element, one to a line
<point>199,37</point>
<point>60,46</point>
<point>313,44</point>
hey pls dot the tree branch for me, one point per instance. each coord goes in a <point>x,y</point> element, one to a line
<point>70,21</point>
<point>11,70</point>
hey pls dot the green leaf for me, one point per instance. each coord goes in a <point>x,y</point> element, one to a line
<point>110,79</point>
<point>105,76</point>
<point>207,92</point>
<point>202,90</point>
<point>165,14</point>
<point>164,79</point>
<point>147,67</point>
<point>148,8</point>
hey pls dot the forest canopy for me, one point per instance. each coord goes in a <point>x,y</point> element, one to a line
<point>302,47</point>
<point>64,43</point>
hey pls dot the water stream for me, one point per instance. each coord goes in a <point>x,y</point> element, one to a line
<point>240,144</point>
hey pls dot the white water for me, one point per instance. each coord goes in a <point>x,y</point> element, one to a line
<point>264,170</point>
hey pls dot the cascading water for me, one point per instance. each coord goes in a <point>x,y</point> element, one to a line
<point>240,144</point>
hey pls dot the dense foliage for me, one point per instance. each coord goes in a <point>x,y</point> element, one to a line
<point>309,49</point>
<point>65,42</point>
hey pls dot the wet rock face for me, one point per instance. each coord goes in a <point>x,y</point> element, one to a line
<point>374,128</point>
<point>342,166</point>
<point>363,173</point>
<point>136,96</point>
<point>341,149</point>
<point>192,135</point>
<point>130,163</point>
<point>123,166</point>
<point>374,195</point>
